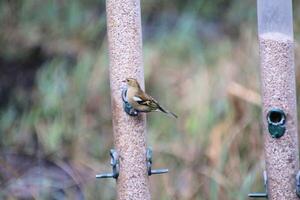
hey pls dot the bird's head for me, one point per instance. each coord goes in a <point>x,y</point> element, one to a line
<point>132,82</point>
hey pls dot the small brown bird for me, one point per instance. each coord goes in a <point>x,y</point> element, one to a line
<point>141,101</point>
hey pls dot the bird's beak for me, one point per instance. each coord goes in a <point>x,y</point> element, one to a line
<point>124,81</point>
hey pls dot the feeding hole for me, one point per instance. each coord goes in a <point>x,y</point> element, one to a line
<point>276,117</point>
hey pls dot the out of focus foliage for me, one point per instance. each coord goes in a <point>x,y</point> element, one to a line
<point>55,121</point>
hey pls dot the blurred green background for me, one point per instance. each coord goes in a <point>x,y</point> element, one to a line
<point>201,61</point>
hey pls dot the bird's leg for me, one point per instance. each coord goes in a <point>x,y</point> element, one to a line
<point>126,105</point>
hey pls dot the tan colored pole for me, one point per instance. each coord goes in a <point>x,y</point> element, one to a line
<point>278,97</point>
<point>125,54</point>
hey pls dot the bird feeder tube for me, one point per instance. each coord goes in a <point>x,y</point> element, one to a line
<point>125,58</point>
<point>275,32</point>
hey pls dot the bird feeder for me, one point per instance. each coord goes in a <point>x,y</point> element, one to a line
<point>125,56</point>
<point>275,32</point>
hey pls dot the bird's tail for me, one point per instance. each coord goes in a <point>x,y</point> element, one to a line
<point>167,112</point>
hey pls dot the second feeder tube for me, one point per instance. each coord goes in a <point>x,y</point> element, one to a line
<point>275,30</point>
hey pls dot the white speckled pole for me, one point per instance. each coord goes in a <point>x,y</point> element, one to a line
<point>125,54</point>
<point>275,27</point>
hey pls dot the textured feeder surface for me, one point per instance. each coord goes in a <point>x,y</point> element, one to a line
<point>125,53</point>
<point>278,90</point>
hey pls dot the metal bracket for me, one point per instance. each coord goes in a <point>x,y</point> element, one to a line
<point>126,105</point>
<point>149,164</point>
<point>114,162</point>
<point>298,184</point>
<point>261,195</point>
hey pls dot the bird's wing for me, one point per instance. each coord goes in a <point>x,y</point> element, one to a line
<point>137,99</point>
<point>147,100</point>
<point>144,99</point>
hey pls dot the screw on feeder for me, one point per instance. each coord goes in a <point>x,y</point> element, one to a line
<point>261,194</point>
<point>126,105</point>
<point>276,122</point>
<point>114,162</point>
<point>149,164</point>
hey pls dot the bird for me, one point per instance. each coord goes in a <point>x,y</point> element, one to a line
<point>141,101</point>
